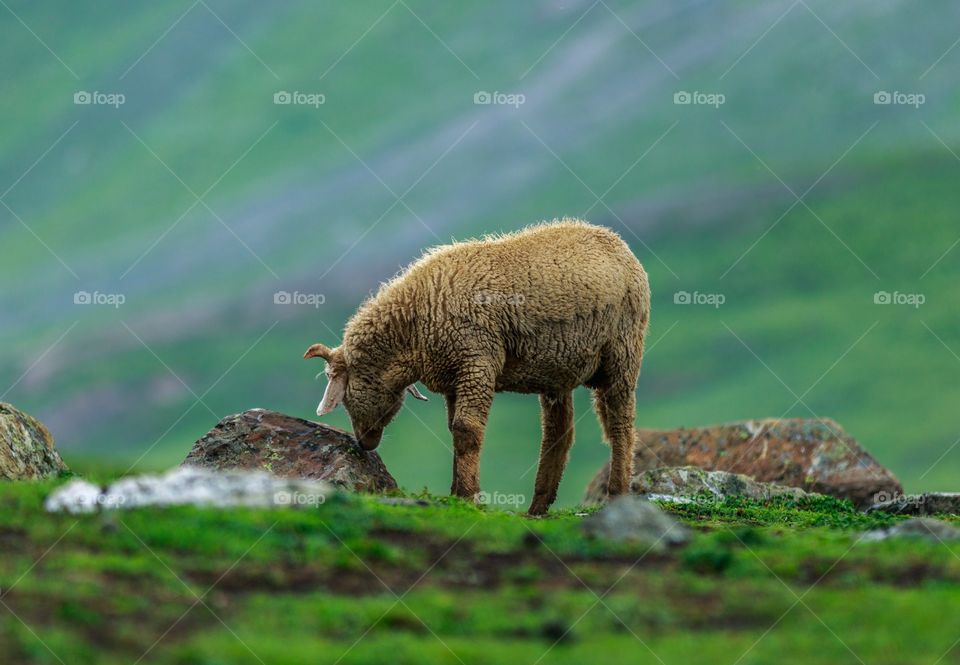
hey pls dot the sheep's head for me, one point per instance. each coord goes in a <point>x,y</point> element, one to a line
<point>370,395</point>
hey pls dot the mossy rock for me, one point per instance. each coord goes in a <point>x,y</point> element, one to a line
<point>815,455</point>
<point>26,447</point>
<point>688,483</point>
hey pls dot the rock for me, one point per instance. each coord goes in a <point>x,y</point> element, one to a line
<point>630,518</point>
<point>918,527</point>
<point>190,486</point>
<point>932,503</point>
<point>402,501</point>
<point>682,484</point>
<point>813,455</point>
<point>290,448</point>
<point>26,447</point>
<point>76,496</point>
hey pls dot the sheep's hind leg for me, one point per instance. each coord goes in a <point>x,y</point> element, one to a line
<point>557,425</point>
<point>615,406</point>
<point>467,424</point>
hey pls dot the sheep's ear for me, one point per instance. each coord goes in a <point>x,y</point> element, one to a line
<point>412,389</point>
<point>319,351</point>
<point>333,395</point>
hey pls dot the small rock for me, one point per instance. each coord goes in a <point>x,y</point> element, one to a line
<point>683,484</point>
<point>290,447</point>
<point>918,527</point>
<point>190,486</point>
<point>814,455</point>
<point>931,503</point>
<point>630,518</point>
<point>26,447</point>
<point>402,501</point>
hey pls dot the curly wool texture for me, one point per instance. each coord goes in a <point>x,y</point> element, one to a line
<point>542,310</point>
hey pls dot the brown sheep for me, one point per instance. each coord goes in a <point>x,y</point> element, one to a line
<point>543,310</point>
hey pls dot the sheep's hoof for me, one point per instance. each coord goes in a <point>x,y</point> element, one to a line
<point>538,509</point>
<point>477,498</point>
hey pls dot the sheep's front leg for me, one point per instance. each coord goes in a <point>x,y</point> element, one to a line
<point>557,425</point>
<point>468,420</point>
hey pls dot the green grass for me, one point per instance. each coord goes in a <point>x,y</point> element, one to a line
<point>357,581</point>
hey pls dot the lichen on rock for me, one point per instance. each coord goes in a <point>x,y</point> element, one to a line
<point>681,484</point>
<point>815,455</point>
<point>26,447</point>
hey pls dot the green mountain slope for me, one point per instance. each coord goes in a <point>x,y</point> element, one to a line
<point>304,198</point>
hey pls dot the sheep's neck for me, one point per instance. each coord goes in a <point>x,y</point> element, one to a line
<point>388,336</point>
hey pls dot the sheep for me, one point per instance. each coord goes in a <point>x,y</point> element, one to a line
<point>543,310</point>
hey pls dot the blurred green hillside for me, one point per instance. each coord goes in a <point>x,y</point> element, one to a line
<point>199,198</point>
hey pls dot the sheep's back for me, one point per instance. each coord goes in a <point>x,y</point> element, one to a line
<point>549,273</point>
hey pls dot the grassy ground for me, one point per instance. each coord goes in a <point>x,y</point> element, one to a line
<point>356,581</point>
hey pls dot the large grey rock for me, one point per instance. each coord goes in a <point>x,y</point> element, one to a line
<point>918,527</point>
<point>26,447</point>
<point>813,455</point>
<point>932,503</point>
<point>631,518</point>
<point>291,448</point>
<point>190,486</point>
<point>682,484</point>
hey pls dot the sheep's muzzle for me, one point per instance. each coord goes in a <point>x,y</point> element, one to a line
<point>369,439</point>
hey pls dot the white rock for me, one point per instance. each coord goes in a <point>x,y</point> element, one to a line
<point>77,496</point>
<point>191,486</point>
<point>668,498</point>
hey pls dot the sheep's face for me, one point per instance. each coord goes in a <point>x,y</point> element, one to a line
<point>368,398</point>
<point>371,406</point>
